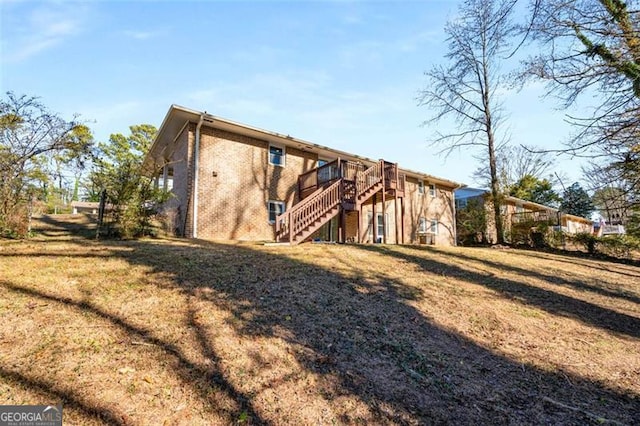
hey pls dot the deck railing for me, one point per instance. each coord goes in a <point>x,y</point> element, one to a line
<point>309,181</point>
<point>369,178</point>
<point>307,211</point>
<point>534,216</point>
<point>336,183</point>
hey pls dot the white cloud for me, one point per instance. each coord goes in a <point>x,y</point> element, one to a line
<point>141,35</point>
<point>28,32</point>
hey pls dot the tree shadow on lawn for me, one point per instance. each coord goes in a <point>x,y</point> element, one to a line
<point>364,336</point>
<point>383,351</point>
<point>611,320</point>
<point>201,378</point>
<point>82,225</point>
<point>623,266</point>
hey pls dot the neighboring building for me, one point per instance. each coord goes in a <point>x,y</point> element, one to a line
<point>235,182</point>
<point>515,210</point>
<point>87,207</point>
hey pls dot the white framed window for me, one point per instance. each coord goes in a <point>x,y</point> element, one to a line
<point>168,184</point>
<point>432,190</point>
<point>433,226</point>
<point>275,208</point>
<point>422,225</point>
<point>380,228</point>
<point>420,187</point>
<point>277,155</point>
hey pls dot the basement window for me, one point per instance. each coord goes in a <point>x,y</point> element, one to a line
<point>275,208</point>
<point>433,226</point>
<point>276,155</point>
<point>422,226</point>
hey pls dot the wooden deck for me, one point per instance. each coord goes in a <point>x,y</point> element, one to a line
<point>335,188</point>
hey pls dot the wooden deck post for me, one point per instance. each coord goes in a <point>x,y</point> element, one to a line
<point>395,214</point>
<point>384,204</point>
<point>402,218</point>
<point>374,218</point>
<point>359,211</point>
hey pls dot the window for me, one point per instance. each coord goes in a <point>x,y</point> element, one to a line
<point>379,226</point>
<point>168,184</point>
<point>276,155</point>
<point>275,208</point>
<point>422,226</point>
<point>461,203</point>
<point>420,187</point>
<point>433,228</point>
<point>432,190</point>
<point>321,162</point>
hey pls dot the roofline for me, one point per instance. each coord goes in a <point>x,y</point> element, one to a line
<point>542,206</point>
<point>271,136</point>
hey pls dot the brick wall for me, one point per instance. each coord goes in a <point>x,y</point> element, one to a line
<point>236,181</point>
<point>425,205</point>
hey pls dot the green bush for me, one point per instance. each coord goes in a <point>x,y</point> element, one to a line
<point>586,240</point>
<point>620,246</point>
<point>472,223</point>
<point>532,233</point>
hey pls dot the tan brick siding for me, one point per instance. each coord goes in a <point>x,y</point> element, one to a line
<point>236,181</point>
<point>425,205</point>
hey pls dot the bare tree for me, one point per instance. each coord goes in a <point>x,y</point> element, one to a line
<point>465,89</point>
<point>29,135</point>
<point>593,47</point>
<point>514,162</point>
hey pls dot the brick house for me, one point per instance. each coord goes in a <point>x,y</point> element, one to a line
<point>231,181</point>
<point>515,210</point>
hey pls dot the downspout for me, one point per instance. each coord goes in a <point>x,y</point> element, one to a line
<point>196,163</point>
<point>455,215</point>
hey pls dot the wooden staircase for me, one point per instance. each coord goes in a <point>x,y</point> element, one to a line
<point>310,214</point>
<point>327,190</point>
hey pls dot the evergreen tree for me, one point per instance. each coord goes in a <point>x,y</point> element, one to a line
<point>576,201</point>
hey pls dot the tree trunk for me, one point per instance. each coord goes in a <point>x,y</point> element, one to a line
<point>495,191</point>
<point>488,125</point>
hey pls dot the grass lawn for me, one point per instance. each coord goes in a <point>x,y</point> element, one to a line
<point>164,331</point>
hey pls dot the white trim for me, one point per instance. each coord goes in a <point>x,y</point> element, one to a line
<point>284,154</point>
<point>377,223</point>
<point>433,223</point>
<point>278,203</point>
<point>196,164</point>
<point>422,225</point>
<point>177,112</point>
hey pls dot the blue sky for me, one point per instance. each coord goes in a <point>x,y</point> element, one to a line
<point>338,73</point>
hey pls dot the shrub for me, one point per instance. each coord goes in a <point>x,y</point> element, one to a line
<point>472,223</point>
<point>586,240</point>
<point>620,246</point>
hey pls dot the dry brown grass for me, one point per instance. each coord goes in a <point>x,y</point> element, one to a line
<point>183,332</point>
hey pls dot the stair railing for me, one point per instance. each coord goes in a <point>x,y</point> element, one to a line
<point>293,222</point>
<point>369,178</point>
